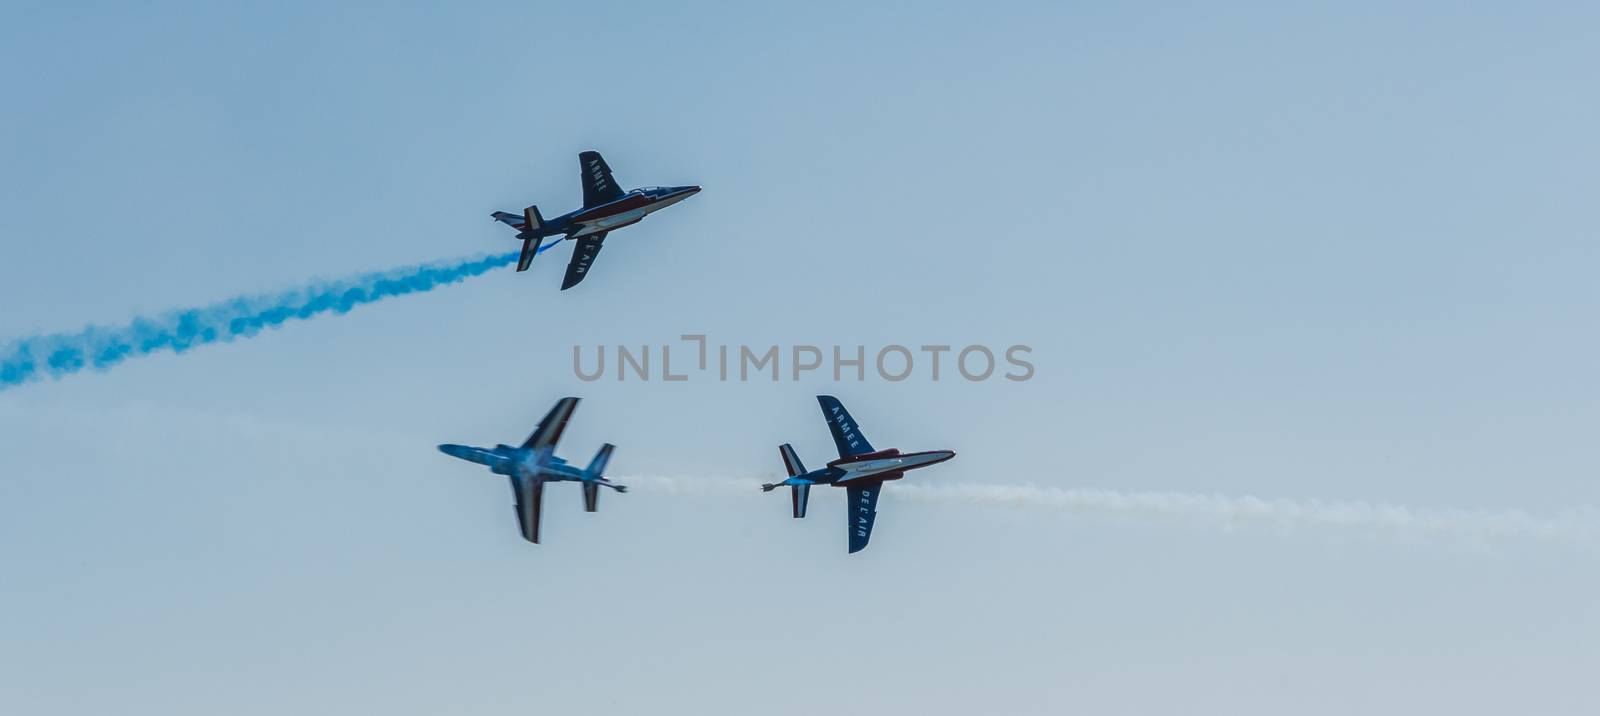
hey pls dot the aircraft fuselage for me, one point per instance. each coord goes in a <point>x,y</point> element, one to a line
<point>521,463</point>
<point>880,466</point>
<point>628,209</point>
<point>536,465</point>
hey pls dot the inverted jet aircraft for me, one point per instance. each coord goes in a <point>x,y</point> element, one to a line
<point>605,207</point>
<point>860,469</point>
<point>534,464</point>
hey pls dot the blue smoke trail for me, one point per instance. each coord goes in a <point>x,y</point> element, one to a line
<point>60,354</point>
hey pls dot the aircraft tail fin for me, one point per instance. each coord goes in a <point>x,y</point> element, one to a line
<point>791,461</point>
<point>530,221</point>
<point>799,495</point>
<point>595,477</point>
<point>530,228</point>
<point>530,249</point>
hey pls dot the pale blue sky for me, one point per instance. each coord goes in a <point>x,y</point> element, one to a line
<point>1316,252</point>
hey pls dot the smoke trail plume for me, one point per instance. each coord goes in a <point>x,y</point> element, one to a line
<point>1243,510</point>
<point>1218,510</point>
<point>99,348</point>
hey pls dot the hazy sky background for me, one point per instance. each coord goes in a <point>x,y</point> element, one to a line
<point>1310,252</point>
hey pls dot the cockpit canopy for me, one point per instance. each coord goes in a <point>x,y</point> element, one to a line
<point>661,190</point>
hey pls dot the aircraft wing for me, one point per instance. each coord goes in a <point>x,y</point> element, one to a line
<point>530,501</point>
<point>846,433</point>
<point>862,511</point>
<point>582,259</point>
<point>598,186</point>
<point>549,430</point>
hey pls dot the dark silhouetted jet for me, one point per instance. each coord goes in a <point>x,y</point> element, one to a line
<point>605,207</point>
<point>535,463</point>
<point>859,469</point>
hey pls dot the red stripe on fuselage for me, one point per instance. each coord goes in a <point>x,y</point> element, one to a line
<point>627,203</point>
<point>891,452</point>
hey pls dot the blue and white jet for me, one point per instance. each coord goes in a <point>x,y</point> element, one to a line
<point>535,463</point>
<point>605,207</point>
<point>860,469</point>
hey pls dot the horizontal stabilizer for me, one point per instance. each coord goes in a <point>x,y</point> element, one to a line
<point>800,495</point>
<point>791,461</point>
<point>530,249</point>
<point>597,466</point>
<point>514,221</point>
<point>591,497</point>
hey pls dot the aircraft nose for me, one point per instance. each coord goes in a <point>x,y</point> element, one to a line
<point>692,189</point>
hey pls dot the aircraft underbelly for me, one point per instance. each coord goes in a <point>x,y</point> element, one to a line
<point>607,223</point>
<point>874,468</point>
<point>862,472</point>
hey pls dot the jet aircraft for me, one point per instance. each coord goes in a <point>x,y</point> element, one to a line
<point>860,469</point>
<point>534,464</point>
<point>605,207</point>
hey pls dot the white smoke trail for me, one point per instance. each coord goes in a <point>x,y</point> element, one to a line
<point>1224,511</point>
